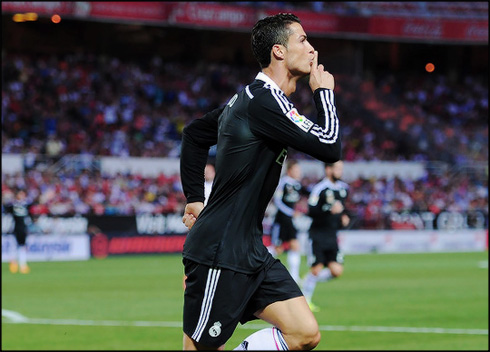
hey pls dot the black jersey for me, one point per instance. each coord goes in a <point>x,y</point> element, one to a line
<point>20,213</point>
<point>288,193</point>
<point>324,225</point>
<point>252,132</point>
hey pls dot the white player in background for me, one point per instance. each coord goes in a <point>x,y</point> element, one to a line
<point>209,173</point>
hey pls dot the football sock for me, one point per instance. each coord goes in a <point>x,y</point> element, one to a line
<point>22,255</point>
<point>269,339</point>
<point>309,285</point>
<point>294,262</point>
<point>324,275</point>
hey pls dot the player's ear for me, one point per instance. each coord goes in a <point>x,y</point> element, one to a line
<point>278,51</point>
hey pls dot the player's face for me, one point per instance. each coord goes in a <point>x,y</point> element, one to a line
<point>295,172</point>
<point>300,52</point>
<point>21,195</point>
<point>337,170</point>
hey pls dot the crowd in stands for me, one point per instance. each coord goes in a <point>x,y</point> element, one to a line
<point>99,106</point>
<point>371,201</point>
<point>90,193</point>
<point>80,104</point>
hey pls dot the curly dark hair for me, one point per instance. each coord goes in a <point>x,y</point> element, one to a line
<point>269,31</point>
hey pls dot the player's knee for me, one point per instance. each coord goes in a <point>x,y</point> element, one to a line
<point>307,338</point>
<point>336,269</point>
<point>316,269</point>
<point>310,340</point>
<point>313,340</point>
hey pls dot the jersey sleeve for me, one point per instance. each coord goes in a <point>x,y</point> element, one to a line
<point>279,199</point>
<point>197,138</point>
<point>273,116</point>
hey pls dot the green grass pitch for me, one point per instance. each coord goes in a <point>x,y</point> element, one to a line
<point>436,301</point>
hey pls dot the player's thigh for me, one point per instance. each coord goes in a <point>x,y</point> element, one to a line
<point>292,316</point>
<point>279,301</point>
<point>21,236</point>
<point>294,245</point>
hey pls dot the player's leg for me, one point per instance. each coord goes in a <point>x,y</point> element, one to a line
<point>285,315</point>
<point>294,259</point>
<point>336,264</point>
<point>317,266</point>
<point>286,333</point>
<point>309,284</point>
<point>335,269</point>
<point>279,301</point>
<point>288,236</point>
<point>22,252</point>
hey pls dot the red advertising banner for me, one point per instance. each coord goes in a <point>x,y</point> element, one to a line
<point>40,7</point>
<point>387,27</point>
<point>429,29</point>
<point>141,11</point>
<point>212,15</point>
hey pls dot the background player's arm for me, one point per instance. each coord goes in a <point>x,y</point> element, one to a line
<point>345,220</point>
<point>345,217</point>
<point>278,200</point>
<point>315,203</point>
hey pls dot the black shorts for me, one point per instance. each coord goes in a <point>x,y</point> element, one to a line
<point>216,299</point>
<point>20,237</point>
<point>283,231</point>
<point>326,253</point>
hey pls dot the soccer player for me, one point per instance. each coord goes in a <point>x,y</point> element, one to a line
<point>20,212</point>
<point>283,232</point>
<point>326,206</point>
<point>231,276</point>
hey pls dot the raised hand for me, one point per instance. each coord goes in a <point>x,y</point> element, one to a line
<point>319,78</point>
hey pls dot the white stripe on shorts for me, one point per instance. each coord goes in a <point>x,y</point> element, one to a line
<point>211,283</point>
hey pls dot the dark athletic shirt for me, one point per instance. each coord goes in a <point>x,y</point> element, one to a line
<point>325,225</point>
<point>287,195</point>
<point>252,133</point>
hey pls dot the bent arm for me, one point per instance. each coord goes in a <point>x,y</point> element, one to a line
<point>278,200</point>
<point>197,138</point>
<point>274,117</point>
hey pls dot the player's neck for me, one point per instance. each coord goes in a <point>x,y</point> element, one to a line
<point>284,80</point>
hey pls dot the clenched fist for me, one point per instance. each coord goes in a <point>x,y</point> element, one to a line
<point>191,212</point>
